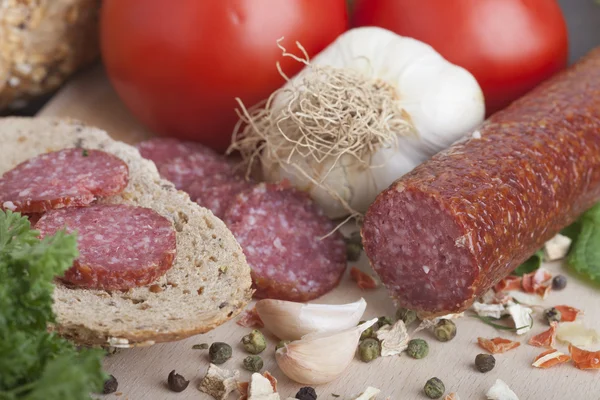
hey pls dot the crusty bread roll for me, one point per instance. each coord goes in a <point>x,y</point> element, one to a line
<point>42,42</point>
<point>208,284</point>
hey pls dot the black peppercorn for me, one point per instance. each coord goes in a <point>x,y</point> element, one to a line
<point>559,282</point>
<point>552,315</point>
<point>434,388</point>
<point>176,382</point>
<point>110,385</point>
<point>306,393</point>
<point>219,352</point>
<point>485,362</point>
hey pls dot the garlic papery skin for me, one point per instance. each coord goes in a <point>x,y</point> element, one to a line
<point>291,321</point>
<point>438,101</point>
<point>319,358</point>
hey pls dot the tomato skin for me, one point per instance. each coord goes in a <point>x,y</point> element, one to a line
<point>179,65</point>
<point>510,46</point>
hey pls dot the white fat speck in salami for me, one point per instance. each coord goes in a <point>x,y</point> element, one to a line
<point>66,178</point>
<point>120,246</point>
<point>280,230</point>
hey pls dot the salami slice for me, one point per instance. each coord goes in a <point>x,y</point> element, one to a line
<point>217,192</point>
<point>65,178</point>
<point>445,233</point>
<point>184,171</point>
<point>120,246</point>
<point>281,232</point>
<point>163,150</point>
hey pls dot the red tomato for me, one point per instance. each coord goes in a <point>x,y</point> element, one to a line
<point>178,65</point>
<point>510,46</point>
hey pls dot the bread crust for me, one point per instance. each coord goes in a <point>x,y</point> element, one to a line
<point>208,284</point>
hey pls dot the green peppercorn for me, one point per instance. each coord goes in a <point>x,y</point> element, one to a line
<point>367,333</point>
<point>383,321</point>
<point>406,315</point>
<point>417,348</point>
<point>485,362</point>
<point>254,342</point>
<point>369,349</point>
<point>445,330</point>
<point>559,282</point>
<point>253,363</point>
<point>219,352</point>
<point>281,344</point>
<point>434,388</point>
<point>552,315</point>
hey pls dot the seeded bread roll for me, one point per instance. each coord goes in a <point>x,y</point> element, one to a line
<point>42,42</point>
<point>208,284</point>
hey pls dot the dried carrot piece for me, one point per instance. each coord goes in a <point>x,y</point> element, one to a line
<point>546,338</point>
<point>363,280</point>
<point>511,282</point>
<point>550,358</point>
<point>497,345</point>
<point>584,359</point>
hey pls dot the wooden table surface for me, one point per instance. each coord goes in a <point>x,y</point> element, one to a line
<point>142,372</point>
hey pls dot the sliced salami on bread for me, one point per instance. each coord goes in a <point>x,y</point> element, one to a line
<point>208,284</point>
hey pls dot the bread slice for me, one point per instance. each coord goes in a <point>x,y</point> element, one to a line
<point>208,284</point>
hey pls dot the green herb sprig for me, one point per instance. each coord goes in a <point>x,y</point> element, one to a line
<point>36,364</point>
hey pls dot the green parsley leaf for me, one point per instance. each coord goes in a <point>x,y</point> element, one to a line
<point>584,256</point>
<point>34,363</point>
<point>530,265</point>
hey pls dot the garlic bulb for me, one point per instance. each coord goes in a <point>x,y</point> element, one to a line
<point>321,357</point>
<point>290,321</point>
<point>365,111</point>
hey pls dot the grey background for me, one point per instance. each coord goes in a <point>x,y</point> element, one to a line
<point>583,20</point>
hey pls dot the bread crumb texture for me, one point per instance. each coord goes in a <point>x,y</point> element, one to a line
<point>195,296</point>
<point>42,42</point>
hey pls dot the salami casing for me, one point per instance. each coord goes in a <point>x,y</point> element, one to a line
<point>120,246</point>
<point>443,234</point>
<point>282,234</point>
<point>66,178</point>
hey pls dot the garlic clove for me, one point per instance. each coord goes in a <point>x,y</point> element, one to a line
<point>320,357</point>
<point>291,321</point>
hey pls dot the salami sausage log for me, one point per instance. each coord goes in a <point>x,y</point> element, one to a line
<point>281,232</point>
<point>65,178</point>
<point>120,246</point>
<point>443,234</point>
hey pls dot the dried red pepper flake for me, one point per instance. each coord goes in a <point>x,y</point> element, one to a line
<point>497,345</point>
<point>550,358</point>
<point>568,313</point>
<point>584,359</point>
<point>546,338</point>
<point>362,279</point>
<point>250,319</point>
<point>511,282</point>
<point>271,379</point>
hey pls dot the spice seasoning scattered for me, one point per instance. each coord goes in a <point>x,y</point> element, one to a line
<point>550,358</point>
<point>568,314</point>
<point>250,319</point>
<point>383,321</point>
<point>546,338</point>
<point>176,382</point>
<point>497,345</point>
<point>393,339</point>
<point>552,315</point>
<point>584,359</point>
<point>406,315</point>
<point>485,362</point>
<point>254,342</point>
<point>253,363</point>
<point>219,352</point>
<point>434,388</point>
<point>110,385</point>
<point>306,393</point>
<point>201,346</point>
<point>444,330</point>
<point>369,350</point>
<point>559,282</point>
<point>362,279</point>
<point>417,348</point>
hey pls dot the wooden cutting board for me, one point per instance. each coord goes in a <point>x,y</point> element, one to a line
<point>142,372</point>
